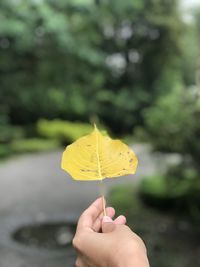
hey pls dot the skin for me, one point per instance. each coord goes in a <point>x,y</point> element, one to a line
<point>103,242</point>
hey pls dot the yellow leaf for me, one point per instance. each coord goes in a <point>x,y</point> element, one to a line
<point>95,157</point>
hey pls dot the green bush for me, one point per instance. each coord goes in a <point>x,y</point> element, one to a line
<point>173,123</point>
<point>163,187</point>
<point>154,192</point>
<point>4,150</point>
<point>180,194</point>
<point>63,131</point>
<point>124,199</point>
<point>9,133</point>
<point>33,145</point>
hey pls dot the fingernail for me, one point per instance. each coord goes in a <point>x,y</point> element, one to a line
<point>107,219</point>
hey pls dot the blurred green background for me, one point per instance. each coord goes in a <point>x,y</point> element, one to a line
<point>119,64</point>
<point>132,67</point>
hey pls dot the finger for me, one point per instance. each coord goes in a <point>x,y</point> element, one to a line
<point>89,216</point>
<point>120,220</point>
<point>79,262</point>
<point>108,225</point>
<point>110,211</point>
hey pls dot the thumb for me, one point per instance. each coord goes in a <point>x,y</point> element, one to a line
<point>107,225</point>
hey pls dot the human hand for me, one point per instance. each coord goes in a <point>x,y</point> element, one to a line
<point>116,246</point>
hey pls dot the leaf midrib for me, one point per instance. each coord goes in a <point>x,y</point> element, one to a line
<point>97,154</point>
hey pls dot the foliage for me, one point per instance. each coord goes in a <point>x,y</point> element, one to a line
<point>77,60</point>
<point>172,123</point>
<point>163,192</point>
<point>174,193</point>
<point>190,47</point>
<point>124,199</point>
<point>197,72</point>
<point>33,145</point>
<point>8,133</point>
<point>63,131</point>
<point>5,151</point>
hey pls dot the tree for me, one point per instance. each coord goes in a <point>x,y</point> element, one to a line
<point>81,59</point>
<point>197,24</point>
<point>172,124</point>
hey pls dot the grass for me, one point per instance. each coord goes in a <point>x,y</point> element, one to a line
<point>33,145</point>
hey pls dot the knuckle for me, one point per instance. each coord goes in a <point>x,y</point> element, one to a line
<point>126,228</point>
<point>76,242</point>
<point>77,263</point>
<point>140,243</point>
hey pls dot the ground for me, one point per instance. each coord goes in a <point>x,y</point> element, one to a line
<point>33,188</point>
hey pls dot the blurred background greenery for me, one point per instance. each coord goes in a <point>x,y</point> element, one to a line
<point>132,67</point>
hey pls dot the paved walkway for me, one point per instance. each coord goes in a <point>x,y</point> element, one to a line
<point>34,188</point>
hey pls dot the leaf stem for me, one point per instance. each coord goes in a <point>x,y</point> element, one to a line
<point>102,192</point>
<point>102,189</point>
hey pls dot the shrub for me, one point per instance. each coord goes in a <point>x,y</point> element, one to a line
<point>172,124</point>
<point>4,150</point>
<point>63,131</point>
<point>9,133</point>
<point>180,194</point>
<point>124,199</point>
<point>33,145</point>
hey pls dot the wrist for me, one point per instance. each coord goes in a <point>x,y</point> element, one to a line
<point>121,258</point>
<point>130,259</point>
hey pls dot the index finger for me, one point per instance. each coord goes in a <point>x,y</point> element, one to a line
<point>89,216</point>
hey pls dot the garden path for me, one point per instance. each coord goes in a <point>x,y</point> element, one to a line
<point>34,188</point>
